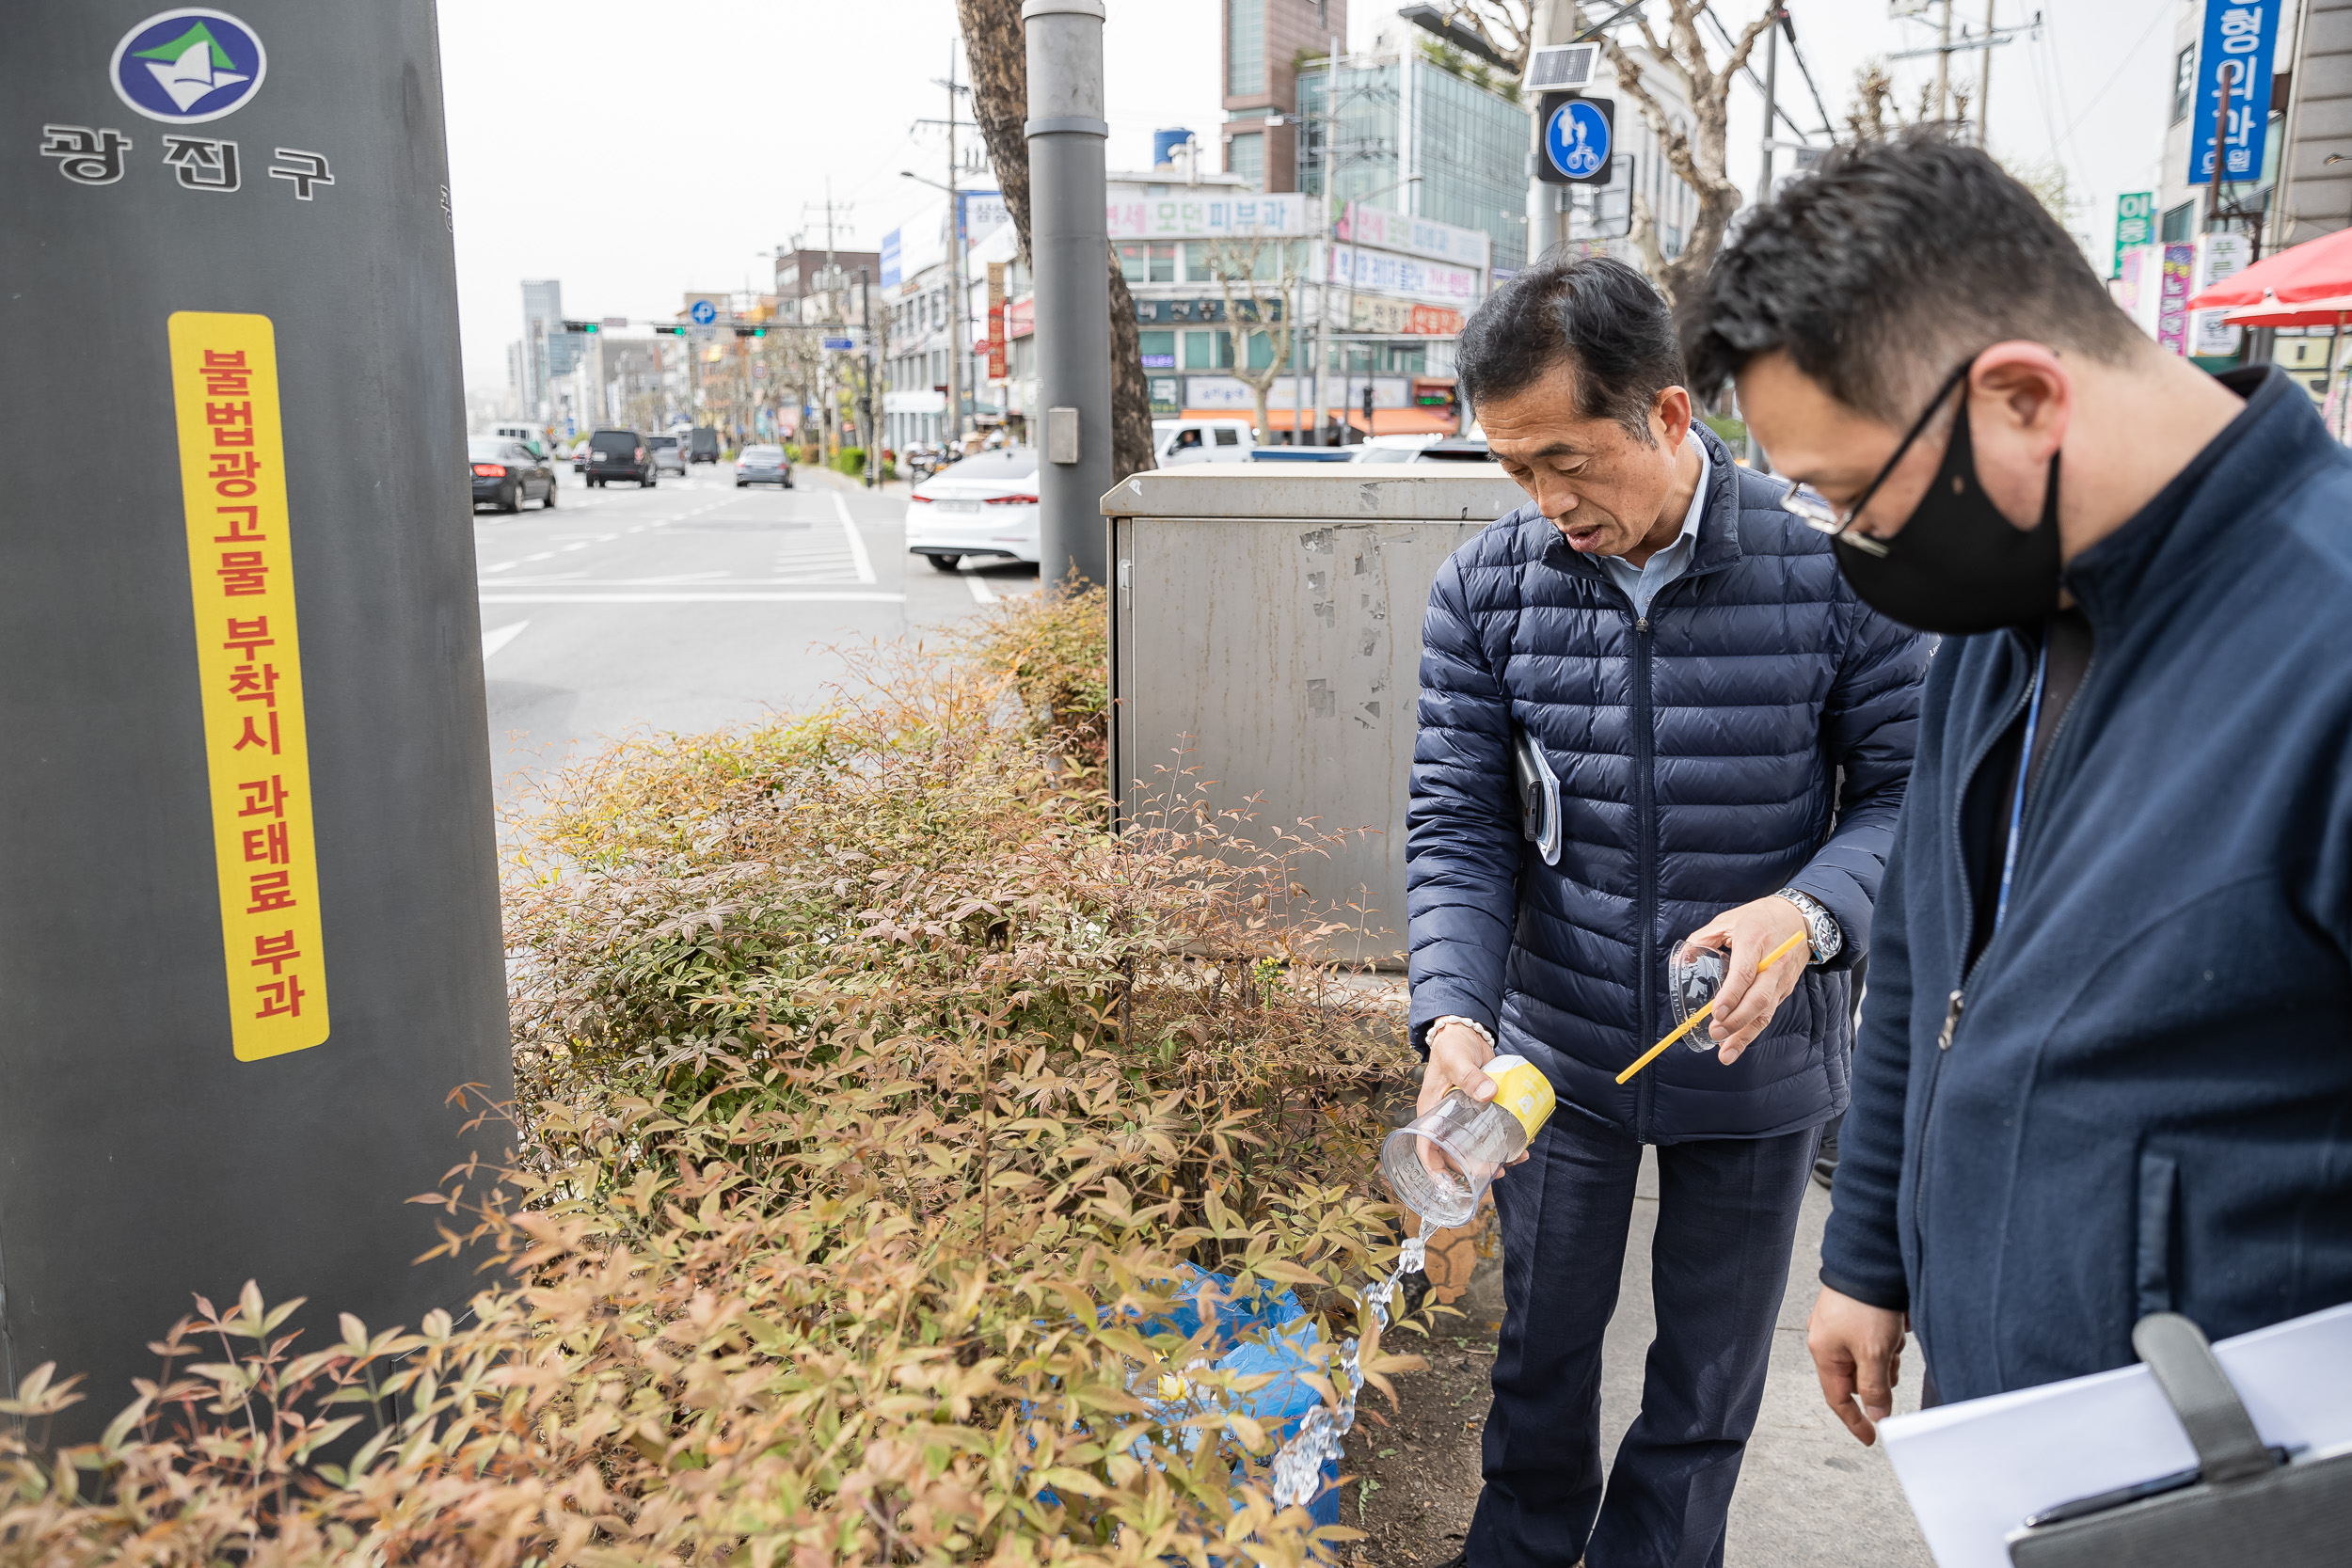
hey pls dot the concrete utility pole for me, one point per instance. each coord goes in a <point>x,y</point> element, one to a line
<point>1326,237</point>
<point>1069,241</point>
<point>1942,69</point>
<point>962,301</point>
<point>1549,22</point>
<point>1771,104</point>
<point>1984,80</point>
<point>866,412</point>
<point>249,929</point>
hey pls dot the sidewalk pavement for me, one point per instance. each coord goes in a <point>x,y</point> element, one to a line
<point>834,480</point>
<point>1809,1497</point>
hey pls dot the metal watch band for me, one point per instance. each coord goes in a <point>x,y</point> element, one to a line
<point>1827,936</point>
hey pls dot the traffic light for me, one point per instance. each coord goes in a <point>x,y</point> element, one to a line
<point>673,331</point>
<point>580,326</point>
<point>751,332</point>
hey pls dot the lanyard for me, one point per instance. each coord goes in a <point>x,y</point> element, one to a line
<point>2025,772</point>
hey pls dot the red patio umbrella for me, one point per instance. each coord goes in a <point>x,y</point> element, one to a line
<point>2314,270</point>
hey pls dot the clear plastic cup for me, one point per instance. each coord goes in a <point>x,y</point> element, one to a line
<point>1442,1164</point>
<point>1693,975</point>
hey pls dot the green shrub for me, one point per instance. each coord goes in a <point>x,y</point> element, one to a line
<point>872,1092</point>
<point>850,460</point>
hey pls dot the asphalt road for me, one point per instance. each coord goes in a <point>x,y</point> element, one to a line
<point>691,606</point>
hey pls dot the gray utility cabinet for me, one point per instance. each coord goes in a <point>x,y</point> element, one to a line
<point>1265,642</point>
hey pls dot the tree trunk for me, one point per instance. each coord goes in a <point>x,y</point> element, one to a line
<point>998,52</point>
<point>1131,394</point>
<point>994,44</point>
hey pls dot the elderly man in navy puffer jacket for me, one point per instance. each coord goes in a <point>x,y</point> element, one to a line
<point>1719,734</point>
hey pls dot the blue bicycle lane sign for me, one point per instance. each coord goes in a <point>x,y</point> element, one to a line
<point>1576,139</point>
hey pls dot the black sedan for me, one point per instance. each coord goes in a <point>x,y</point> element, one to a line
<point>505,474</point>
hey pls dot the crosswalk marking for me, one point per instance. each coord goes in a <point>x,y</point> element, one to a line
<point>865,562</point>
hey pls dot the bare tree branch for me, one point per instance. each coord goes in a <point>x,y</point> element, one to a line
<point>998,52</point>
<point>1506,26</point>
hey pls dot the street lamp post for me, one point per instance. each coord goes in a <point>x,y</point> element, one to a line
<point>865,416</point>
<point>1069,241</point>
<point>959,299</point>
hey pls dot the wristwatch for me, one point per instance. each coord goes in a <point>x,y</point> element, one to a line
<point>1821,925</point>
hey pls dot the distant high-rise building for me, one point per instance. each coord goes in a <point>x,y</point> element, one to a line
<point>543,332</point>
<point>1263,42</point>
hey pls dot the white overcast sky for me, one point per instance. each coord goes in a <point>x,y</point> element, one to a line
<point>638,151</point>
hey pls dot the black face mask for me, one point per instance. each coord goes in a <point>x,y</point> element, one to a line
<point>1959,566</point>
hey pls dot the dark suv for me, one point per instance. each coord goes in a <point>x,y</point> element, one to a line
<point>620,455</point>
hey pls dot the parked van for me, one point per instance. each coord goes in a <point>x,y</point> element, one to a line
<point>1177,442</point>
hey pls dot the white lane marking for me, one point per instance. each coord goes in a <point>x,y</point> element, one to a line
<point>493,641</point>
<point>579,546</point>
<point>705,579</point>
<point>543,555</point>
<point>639,529</point>
<point>606,538</point>
<point>689,598</point>
<point>501,566</point>
<point>981,593</point>
<point>857,544</point>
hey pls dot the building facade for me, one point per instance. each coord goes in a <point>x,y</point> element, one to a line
<point>1264,40</point>
<point>1390,127</point>
<point>2298,188</point>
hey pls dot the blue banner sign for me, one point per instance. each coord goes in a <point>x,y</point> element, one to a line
<point>890,253</point>
<point>2232,117</point>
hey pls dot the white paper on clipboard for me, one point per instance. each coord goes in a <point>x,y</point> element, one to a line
<point>1974,1471</point>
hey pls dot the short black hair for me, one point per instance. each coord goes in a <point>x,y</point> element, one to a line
<point>1888,264</point>
<point>1601,317</point>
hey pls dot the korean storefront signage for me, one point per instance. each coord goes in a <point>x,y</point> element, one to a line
<point>2232,115</point>
<point>1414,236</point>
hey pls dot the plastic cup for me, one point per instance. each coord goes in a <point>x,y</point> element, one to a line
<point>1693,975</point>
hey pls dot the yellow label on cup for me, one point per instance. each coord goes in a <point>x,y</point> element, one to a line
<point>1521,1090</point>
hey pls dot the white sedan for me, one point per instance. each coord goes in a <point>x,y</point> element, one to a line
<point>984,507</point>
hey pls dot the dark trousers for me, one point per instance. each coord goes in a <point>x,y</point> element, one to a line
<point>1726,1217</point>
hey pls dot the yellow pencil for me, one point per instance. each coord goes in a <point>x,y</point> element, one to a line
<point>1700,1016</point>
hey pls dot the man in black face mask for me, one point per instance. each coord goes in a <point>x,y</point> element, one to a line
<point>2106,1062</point>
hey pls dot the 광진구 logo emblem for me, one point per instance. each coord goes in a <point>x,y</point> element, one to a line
<point>187,66</point>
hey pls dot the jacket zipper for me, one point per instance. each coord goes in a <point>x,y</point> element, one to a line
<point>1645,787</point>
<point>1958,1000</point>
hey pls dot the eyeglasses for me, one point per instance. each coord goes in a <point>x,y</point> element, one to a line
<point>1820,516</point>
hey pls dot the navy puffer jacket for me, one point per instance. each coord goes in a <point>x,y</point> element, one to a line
<point>1699,754</point>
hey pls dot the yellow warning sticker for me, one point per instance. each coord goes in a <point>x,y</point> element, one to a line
<point>249,662</point>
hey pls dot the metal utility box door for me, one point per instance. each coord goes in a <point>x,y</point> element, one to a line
<point>1265,642</point>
